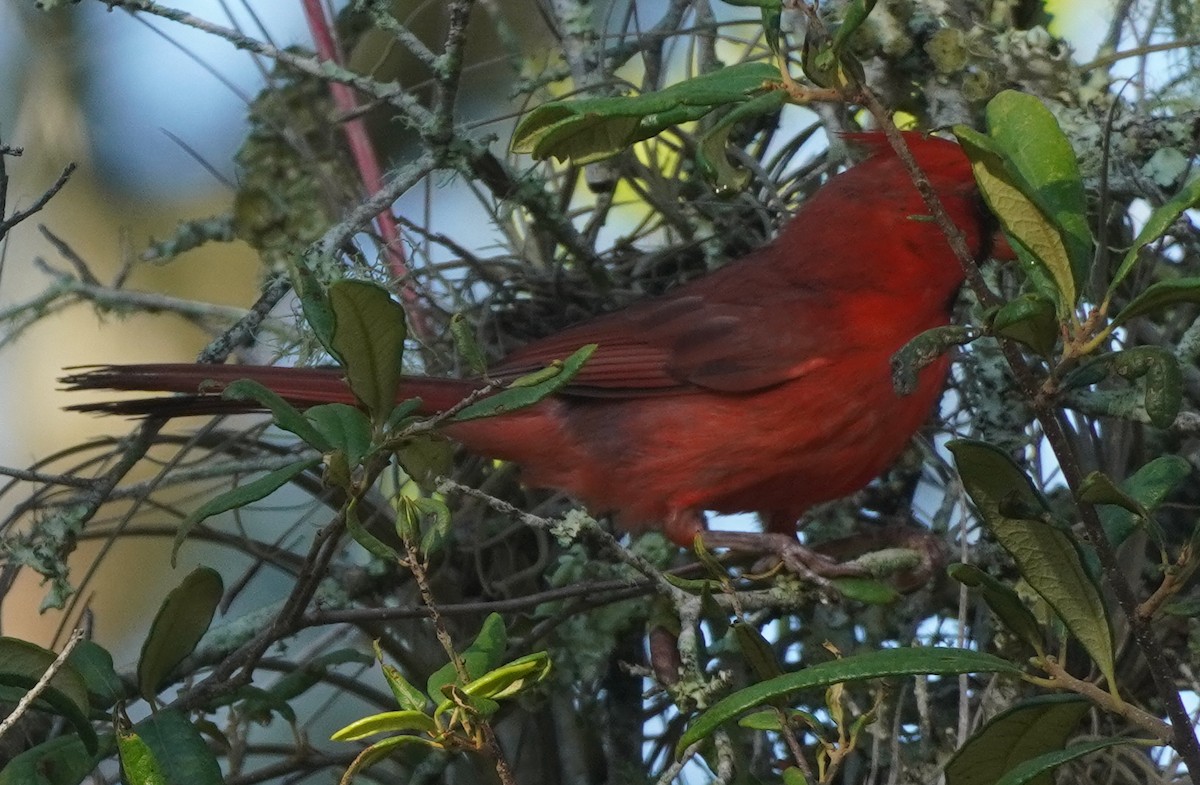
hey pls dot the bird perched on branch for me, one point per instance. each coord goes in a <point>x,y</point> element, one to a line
<point>765,386</point>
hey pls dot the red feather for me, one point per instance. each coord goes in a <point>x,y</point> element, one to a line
<point>764,386</point>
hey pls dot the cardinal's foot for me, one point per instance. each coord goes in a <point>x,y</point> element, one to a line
<point>798,559</point>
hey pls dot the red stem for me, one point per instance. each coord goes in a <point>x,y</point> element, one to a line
<point>364,158</point>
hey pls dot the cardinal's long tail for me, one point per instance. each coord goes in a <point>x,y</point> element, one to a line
<point>200,387</point>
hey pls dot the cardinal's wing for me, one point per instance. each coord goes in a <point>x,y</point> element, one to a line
<point>680,343</point>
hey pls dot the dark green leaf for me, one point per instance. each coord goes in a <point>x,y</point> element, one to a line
<point>1149,486</point>
<point>756,651</point>
<point>343,428</point>
<point>239,497</point>
<point>294,684</point>
<point>425,458</point>
<point>286,416</point>
<point>259,704</point>
<point>61,761</point>
<point>1159,222</point>
<point>1163,380</point>
<point>1019,734</point>
<point>95,665</point>
<point>1160,295</point>
<point>1098,488</point>
<point>1003,601</point>
<point>22,665</point>
<point>402,412</point>
<point>180,751</point>
<point>180,623</point>
<point>1030,770</point>
<point>314,302</point>
<point>374,546</point>
<point>885,663</point>
<point>520,394</point>
<point>922,351</point>
<point>1048,559</point>
<point>369,332</point>
<point>1029,319</point>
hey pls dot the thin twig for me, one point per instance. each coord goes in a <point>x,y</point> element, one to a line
<point>42,683</point>
<point>20,215</point>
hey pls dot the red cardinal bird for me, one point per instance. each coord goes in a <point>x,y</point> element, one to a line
<point>765,386</point>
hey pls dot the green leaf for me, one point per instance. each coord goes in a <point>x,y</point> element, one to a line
<point>343,428</point>
<point>766,719</point>
<point>359,533</point>
<point>61,761</point>
<point>299,681</point>
<point>180,751</point>
<point>922,351</point>
<point>522,393</point>
<point>93,662</point>
<point>756,651</point>
<point>259,705</point>
<point>1163,380</point>
<point>465,344</point>
<point>240,496</point>
<point>1029,319</point>
<point>1003,601</point>
<point>1098,488</point>
<point>407,696</point>
<point>286,416</point>
<point>866,590</point>
<point>180,623</point>
<point>138,764</point>
<point>481,656</point>
<point>22,665</point>
<point>1149,486</point>
<point>711,147</point>
<point>386,722</point>
<point>368,334</point>
<point>402,412</point>
<point>425,459</point>
<point>1160,221</point>
<point>1160,295</point>
<point>1019,734</point>
<point>1032,233</point>
<point>314,301</point>
<point>856,13</point>
<point>477,705</point>
<point>885,663</point>
<point>590,129</point>
<point>437,527</point>
<point>1030,770</point>
<point>1028,136</point>
<point>1048,559</point>
<point>794,776</point>
<point>505,681</point>
<point>381,750</point>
